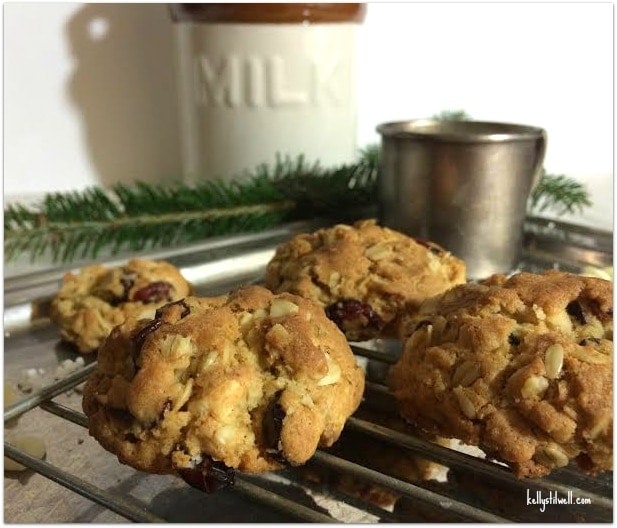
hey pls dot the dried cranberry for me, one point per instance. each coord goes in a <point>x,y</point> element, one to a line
<point>355,318</point>
<point>185,309</point>
<point>131,438</point>
<point>436,249</point>
<point>154,292</point>
<point>589,341</point>
<point>122,416</point>
<point>140,337</point>
<point>209,476</point>
<point>422,324</point>
<point>272,426</point>
<point>127,283</point>
<point>575,310</point>
<point>584,461</point>
<point>167,406</point>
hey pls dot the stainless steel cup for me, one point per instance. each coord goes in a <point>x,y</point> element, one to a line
<point>462,184</point>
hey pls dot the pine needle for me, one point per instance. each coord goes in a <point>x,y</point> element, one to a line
<point>139,216</point>
<point>558,193</point>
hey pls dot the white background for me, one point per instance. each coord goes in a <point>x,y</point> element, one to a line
<point>89,89</point>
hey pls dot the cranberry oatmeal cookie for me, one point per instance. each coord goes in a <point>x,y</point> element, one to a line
<point>363,275</point>
<point>250,381</point>
<point>90,303</point>
<point>521,367</point>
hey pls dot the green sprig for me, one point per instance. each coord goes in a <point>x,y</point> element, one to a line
<point>558,193</point>
<point>80,224</point>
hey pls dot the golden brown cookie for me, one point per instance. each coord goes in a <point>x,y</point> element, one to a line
<point>521,367</point>
<point>249,381</point>
<point>363,275</point>
<point>90,303</point>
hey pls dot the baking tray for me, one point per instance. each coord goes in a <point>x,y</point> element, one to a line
<point>78,481</point>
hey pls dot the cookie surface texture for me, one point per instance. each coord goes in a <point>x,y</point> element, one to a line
<point>251,380</point>
<point>90,303</point>
<point>521,367</point>
<point>364,275</point>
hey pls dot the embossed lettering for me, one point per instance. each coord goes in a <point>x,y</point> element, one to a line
<point>255,82</point>
<point>233,81</point>
<point>218,84</point>
<point>279,92</point>
<point>326,80</point>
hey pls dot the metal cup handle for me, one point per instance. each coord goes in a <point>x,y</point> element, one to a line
<point>541,152</point>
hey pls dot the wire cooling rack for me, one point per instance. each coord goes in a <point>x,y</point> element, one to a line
<point>97,488</point>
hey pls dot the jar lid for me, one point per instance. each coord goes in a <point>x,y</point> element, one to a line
<point>268,13</point>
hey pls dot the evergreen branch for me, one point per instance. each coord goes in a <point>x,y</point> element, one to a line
<point>559,193</point>
<point>140,215</point>
<point>137,232</point>
<point>452,115</point>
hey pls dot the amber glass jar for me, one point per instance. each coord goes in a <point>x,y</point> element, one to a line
<point>257,80</point>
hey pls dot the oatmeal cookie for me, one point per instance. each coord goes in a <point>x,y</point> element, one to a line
<point>250,381</point>
<point>363,275</point>
<point>90,303</point>
<point>521,367</point>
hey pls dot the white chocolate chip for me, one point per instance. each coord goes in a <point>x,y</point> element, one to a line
<point>245,319</point>
<point>553,361</point>
<point>225,434</point>
<point>589,356</point>
<point>598,427</point>
<point>434,263</point>
<point>176,347</point>
<point>186,394</point>
<point>307,401</point>
<point>466,373</point>
<point>208,359</point>
<point>281,307</point>
<point>198,407</point>
<point>334,279</point>
<point>378,251</point>
<point>552,456</point>
<point>278,331</point>
<point>333,374</point>
<point>465,403</point>
<point>561,321</point>
<point>148,312</point>
<point>260,313</point>
<point>534,387</point>
<point>540,315</point>
<point>570,412</point>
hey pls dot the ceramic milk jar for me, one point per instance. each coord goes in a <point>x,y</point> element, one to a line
<point>257,80</point>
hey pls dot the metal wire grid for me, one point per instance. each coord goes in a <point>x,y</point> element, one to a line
<point>492,501</point>
<point>452,506</point>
